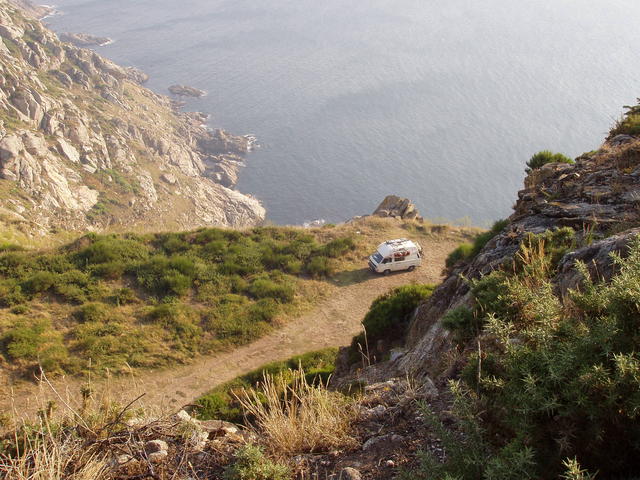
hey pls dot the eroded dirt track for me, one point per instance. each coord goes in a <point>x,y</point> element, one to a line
<point>331,323</point>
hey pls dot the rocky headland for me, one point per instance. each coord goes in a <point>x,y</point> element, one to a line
<point>84,39</point>
<point>186,91</point>
<point>84,146</point>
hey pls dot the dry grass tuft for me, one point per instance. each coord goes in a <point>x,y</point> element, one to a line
<point>52,456</point>
<point>296,417</point>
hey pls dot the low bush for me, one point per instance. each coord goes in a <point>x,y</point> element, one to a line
<point>36,343</point>
<point>468,251</point>
<point>265,287</point>
<point>179,321</point>
<point>630,122</point>
<point>10,293</point>
<point>338,247</point>
<point>544,157</point>
<point>389,316</point>
<point>319,267</point>
<point>111,248</point>
<point>250,463</point>
<point>109,345</point>
<point>461,254</point>
<point>40,282</point>
<point>93,312</point>
<point>463,323</point>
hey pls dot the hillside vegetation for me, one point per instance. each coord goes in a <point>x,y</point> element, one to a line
<point>127,301</point>
<point>551,388</point>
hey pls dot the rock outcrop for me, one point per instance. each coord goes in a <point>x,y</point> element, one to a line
<point>598,196</point>
<point>84,146</point>
<point>396,207</point>
<point>186,91</point>
<point>84,39</point>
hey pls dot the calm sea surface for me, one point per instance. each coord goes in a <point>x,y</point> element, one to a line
<point>439,101</point>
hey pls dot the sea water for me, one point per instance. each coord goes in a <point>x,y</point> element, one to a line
<point>441,101</point>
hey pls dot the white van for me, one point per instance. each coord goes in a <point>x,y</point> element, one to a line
<point>394,255</point>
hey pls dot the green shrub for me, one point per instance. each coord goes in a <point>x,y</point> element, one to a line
<point>16,264</point>
<point>112,270</point>
<point>124,296</point>
<point>20,309</point>
<point>109,345</point>
<point>93,312</point>
<point>468,251</point>
<point>265,287</point>
<point>319,267</point>
<point>71,293</point>
<point>462,322</point>
<point>630,122</point>
<point>250,463</point>
<point>112,249</point>
<point>10,247</point>
<point>215,249</point>
<point>166,276</point>
<point>544,157</point>
<point>40,282</point>
<point>264,310</point>
<point>10,293</point>
<point>174,243</point>
<point>35,341</point>
<point>461,253</point>
<point>179,321</point>
<point>389,315</point>
<point>338,247</point>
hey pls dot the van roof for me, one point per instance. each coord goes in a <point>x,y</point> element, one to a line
<point>397,245</point>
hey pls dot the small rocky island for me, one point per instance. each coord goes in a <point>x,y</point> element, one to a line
<point>185,91</point>
<point>84,39</point>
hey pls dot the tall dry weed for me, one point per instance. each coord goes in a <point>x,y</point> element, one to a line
<point>297,417</point>
<point>52,457</point>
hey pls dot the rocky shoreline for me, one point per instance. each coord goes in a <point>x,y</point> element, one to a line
<point>88,148</point>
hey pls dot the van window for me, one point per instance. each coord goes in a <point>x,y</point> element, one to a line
<point>401,259</point>
<point>386,260</point>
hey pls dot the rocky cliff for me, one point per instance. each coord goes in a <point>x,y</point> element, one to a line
<point>598,196</point>
<point>84,146</point>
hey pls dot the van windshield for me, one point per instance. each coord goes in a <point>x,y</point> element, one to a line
<point>377,257</point>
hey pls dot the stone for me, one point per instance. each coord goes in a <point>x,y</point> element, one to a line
<point>621,140</point>
<point>183,416</point>
<point>349,473</point>
<point>158,457</point>
<point>375,412</point>
<point>169,178</point>
<point>154,446</point>
<point>68,151</point>
<point>396,207</point>
<point>219,428</point>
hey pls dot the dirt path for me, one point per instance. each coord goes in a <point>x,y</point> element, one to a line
<point>332,323</point>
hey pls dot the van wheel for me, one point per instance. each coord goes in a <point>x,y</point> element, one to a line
<point>411,268</point>
<point>386,272</point>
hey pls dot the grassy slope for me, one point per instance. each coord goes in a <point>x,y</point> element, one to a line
<point>155,300</point>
